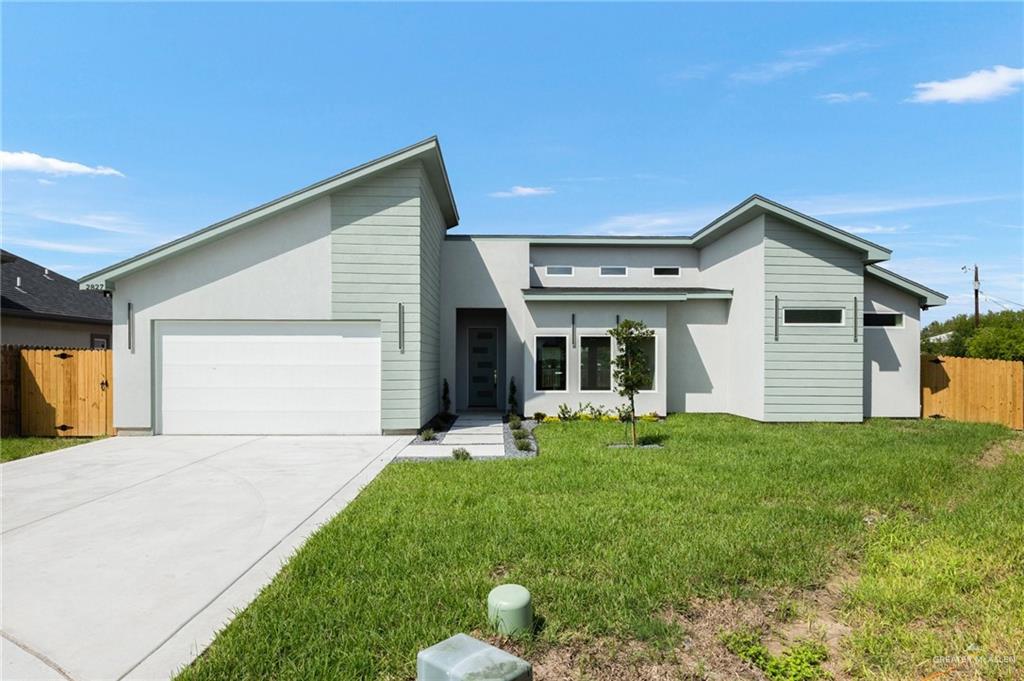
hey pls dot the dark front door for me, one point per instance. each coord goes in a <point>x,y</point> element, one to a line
<point>483,368</point>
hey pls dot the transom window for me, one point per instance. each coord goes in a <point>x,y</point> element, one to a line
<point>595,363</point>
<point>551,366</point>
<point>813,316</point>
<point>666,271</point>
<point>613,271</point>
<point>559,270</point>
<point>883,319</point>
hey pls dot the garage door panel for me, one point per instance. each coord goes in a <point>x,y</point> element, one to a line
<point>226,377</point>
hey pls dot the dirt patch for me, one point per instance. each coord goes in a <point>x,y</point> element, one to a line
<point>782,620</point>
<point>995,456</point>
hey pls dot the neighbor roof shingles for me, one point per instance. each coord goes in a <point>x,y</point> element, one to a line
<point>43,294</point>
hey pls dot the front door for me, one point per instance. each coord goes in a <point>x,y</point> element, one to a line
<point>483,368</point>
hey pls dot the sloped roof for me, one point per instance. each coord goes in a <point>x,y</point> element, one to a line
<point>45,294</point>
<point>428,151</point>
<point>926,297</point>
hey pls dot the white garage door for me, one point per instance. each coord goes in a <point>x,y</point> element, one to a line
<point>267,378</point>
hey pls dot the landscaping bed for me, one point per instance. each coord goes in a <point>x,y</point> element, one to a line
<point>636,557</point>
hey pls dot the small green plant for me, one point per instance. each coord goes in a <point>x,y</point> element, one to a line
<point>520,434</point>
<point>624,412</point>
<point>428,434</point>
<point>514,422</point>
<point>539,416</point>
<point>802,662</point>
<point>630,367</point>
<point>552,419</point>
<point>513,401</point>
<point>567,413</point>
<point>446,400</point>
<point>461,454</point>
<point>524,445</point>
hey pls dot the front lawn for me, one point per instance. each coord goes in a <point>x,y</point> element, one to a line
<point>608,540</point>
<point>12,448</point>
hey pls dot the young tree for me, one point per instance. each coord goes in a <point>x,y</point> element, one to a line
<point>631,368</point>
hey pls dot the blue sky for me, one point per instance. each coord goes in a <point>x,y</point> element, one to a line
<point>903,123</point>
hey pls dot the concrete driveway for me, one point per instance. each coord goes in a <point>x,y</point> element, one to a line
<point>123,557</point>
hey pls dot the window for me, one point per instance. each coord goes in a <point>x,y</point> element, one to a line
<point>595,363</point>
<point>648,348</point>
<point>559,270</point>
<point>666,271</point>
<point>99,341</point>
<point>550,353</point>
<point>810,316</point>
<point>613,271</point>
<point>883,319</point>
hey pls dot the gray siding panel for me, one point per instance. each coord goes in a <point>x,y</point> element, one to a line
<point>376,264</point>
<point>432,231</point>
<point>812,373</point>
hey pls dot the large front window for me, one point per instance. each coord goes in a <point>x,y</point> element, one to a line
<point>551,367</point>
<point>595,363</point>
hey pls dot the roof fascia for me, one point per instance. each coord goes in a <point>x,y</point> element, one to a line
<point>927,297</point>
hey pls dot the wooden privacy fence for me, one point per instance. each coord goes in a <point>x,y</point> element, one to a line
<point>969,389</point>
<point>58,392</point>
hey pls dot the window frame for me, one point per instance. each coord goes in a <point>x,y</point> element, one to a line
<point>549,273</point>
<point>601,268</point>
<point>93,337</point>
<point>536,363</point>
<point>840,323</point>
<point>865,325</point>
<point>677,268</point>
<point>579,364</point>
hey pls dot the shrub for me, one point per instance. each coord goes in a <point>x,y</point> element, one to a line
<point>585,416</point>
<point>428,434</point>
<point>524,445</point>
<point>650,416</point>
<point>610,417</point>
<point>624,412</point>
<point>567,413</point>
<point>802,662</point>
<point>539,416</point>
<point>461,454</point>
<point>595,412</point>
<point>514,422</point>
<point>520,434</point>
<point>551,419</point>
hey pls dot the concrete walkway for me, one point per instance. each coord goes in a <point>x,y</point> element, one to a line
<point>123,557</point>
<point>481,434</point>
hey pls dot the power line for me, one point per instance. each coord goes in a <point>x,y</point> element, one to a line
<point>1005,300</point>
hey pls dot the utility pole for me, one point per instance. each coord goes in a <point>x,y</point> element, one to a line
<point>977,286</point>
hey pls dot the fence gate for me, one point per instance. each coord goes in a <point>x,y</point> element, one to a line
<point>969,389</point>
<point>66,392</point>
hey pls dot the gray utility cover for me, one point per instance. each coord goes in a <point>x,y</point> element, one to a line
<point>464,658</point>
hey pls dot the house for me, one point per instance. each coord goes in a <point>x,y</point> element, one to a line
<point>41,308</point>
<point>342,307</point>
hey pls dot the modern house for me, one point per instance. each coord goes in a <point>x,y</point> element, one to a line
<point>41,308</point>
<point>342,307</point>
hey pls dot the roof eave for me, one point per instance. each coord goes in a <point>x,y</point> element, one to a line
<point>926,297</point>
<point>428,149</point>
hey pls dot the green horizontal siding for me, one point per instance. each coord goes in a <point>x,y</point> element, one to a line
<point>812,373</point>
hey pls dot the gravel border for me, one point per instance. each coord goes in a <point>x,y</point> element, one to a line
<point>439,436</point>
<point>511,452</point>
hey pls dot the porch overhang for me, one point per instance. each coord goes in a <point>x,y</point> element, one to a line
<point>663,294</point>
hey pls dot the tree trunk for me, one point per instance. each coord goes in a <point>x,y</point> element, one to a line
<point>632,416</point>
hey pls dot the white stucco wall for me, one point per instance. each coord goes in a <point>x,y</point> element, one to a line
<point>639,261</point>
<point>279,269</point>
<point>892,356</point>
<point>50,333</point>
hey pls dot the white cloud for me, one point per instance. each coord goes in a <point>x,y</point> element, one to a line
<point>57,246</point>
<point>43,181</point>
<point>520,191</point>
<point>842,204</point>
<point>873,229</point>
<point>684,222</point>
<point>844,97</point>
<point>794,61</point>
<point>34,163</point>
<point>104,222</point>
<point>978,86</point>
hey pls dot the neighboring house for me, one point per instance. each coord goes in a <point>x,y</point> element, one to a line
<point>341,308</point>
<point>44,309</point>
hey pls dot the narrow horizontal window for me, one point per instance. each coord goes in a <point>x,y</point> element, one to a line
<point>666,271</point>
<point>613,271</point>
<point>559,270</point>
<point>882,319</point>
<point>595,363</point>
<point>550,357</point>
<point>812,316</point>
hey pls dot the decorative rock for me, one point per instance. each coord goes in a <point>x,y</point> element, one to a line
<point>464,658</point>
<point>510,609</point>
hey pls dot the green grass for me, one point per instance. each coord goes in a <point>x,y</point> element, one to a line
<point>13,448</point>
<point>606,538</point>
